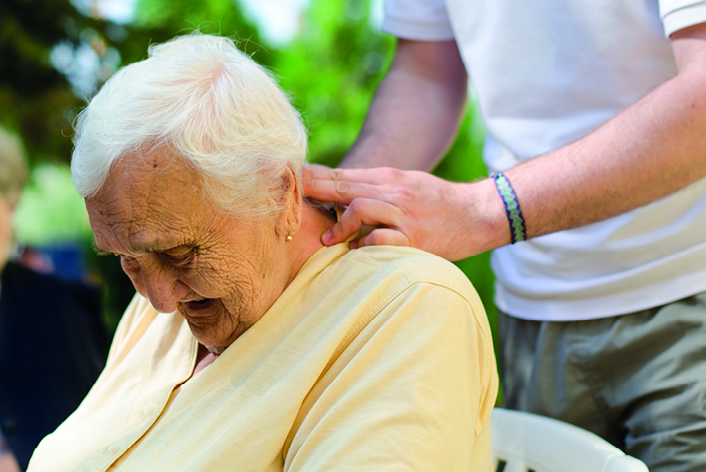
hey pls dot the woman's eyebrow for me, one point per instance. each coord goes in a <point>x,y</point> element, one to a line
<point>100,251</point>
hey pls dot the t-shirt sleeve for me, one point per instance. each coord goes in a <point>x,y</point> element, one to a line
<point>680,14</point>
<point>412,391</point>
<point>420,20</point>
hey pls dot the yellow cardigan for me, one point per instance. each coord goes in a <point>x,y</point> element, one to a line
<point>374,359</point>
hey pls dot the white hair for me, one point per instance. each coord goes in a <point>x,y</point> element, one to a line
<point>212,105</point>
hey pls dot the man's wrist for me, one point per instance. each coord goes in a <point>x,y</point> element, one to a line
<point>513,211</point>
<point>486,222</point>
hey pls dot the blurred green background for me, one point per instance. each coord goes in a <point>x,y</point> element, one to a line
<point>54,55</point>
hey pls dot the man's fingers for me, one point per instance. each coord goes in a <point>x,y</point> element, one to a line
<point>362,211</point>
<point>377,176</point>
<point>311,171</point>
<point>327,190</point>
<point>341,191</point>
<point>382,236</point>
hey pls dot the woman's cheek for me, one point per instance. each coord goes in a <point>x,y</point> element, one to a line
<point>202,279</point>
<point>132,269</point>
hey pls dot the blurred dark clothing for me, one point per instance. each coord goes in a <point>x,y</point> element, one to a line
<point>53,345</point>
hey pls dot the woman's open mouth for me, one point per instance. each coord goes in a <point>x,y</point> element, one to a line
<point>199,303</point>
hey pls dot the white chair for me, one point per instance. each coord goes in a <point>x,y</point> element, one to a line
<point>523,442</point>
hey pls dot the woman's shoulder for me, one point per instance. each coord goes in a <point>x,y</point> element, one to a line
<point>369,280</point>
<point>411,266</point>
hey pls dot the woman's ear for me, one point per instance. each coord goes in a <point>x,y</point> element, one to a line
<point>289,219</point>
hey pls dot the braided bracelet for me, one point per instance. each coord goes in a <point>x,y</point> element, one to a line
<point>518,231</point>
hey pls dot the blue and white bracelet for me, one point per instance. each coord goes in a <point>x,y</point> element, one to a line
<point>518,230</point>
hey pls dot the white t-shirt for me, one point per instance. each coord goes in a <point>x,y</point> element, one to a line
<point>546,73</point>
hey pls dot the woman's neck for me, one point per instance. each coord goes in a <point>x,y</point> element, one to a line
<point>315,222</point>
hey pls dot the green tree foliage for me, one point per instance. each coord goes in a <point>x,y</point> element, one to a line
<point>36,98</point>
<point>331,71</point>
<point>159,20</point>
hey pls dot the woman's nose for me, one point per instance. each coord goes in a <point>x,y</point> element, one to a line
<point>163,288</point>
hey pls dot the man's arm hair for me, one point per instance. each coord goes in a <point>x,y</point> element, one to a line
<point>649,150</point>
<point>417,109</point>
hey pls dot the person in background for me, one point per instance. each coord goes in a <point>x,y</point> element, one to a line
<point>599,242</point>
<point>53,342</point>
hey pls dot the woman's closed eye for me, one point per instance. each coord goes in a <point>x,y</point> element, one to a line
<point>129,264</point>
<point>181,257</point>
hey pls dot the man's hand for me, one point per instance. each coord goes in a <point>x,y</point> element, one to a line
<point>411,208</point>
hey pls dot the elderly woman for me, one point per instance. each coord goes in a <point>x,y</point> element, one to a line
<point>250,345</point>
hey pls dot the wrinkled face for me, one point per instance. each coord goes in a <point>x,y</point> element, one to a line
<point>219,273</point>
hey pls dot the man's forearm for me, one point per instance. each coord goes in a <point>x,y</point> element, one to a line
<point>416,111</point>
<point>653,148</point>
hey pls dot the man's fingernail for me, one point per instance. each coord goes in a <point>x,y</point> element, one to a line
<point>326,238</point>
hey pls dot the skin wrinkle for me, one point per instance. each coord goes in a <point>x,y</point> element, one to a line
<point>144,214</point>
